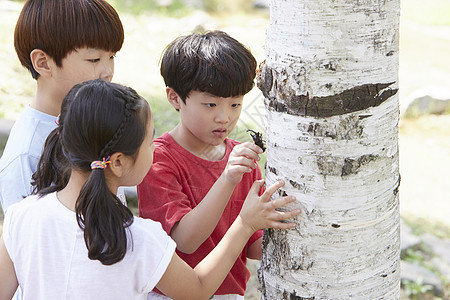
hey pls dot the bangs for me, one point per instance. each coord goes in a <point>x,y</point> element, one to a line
<point>224,79</point>
<point>99,28</point>
<point>72,24</point>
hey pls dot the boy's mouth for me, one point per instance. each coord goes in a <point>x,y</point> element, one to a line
<point>220,132</point>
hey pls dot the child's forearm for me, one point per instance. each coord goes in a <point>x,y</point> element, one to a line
<point>208,275</point>
<point>197,225</point>
<point>214,267</point>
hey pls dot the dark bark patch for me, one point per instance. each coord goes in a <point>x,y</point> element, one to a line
<point>282,193</point>
<point>398,185</point>
<point>348,128</point>
<point>329,165</point>
<point>273,170</point>
<point>295,184</point>
<point>351,100</point>
<point>265,79</point>
<point>337,166</point>
<point>335,225</point>
<point>351,166</point>
<point>364,116</point>
<point>293,296</point>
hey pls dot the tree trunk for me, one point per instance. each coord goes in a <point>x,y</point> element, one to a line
<point>330,81</point>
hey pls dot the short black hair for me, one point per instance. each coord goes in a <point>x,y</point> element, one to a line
<point>211,62</point>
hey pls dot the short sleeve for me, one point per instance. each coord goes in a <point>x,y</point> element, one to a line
<point>161,196</point>
<point>16,180</point>
<point>157,250</point>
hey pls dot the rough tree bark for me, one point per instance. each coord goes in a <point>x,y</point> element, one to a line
<point>330,81</point>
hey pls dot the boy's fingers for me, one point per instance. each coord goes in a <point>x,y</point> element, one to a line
<point>282,201</point>
<point>272,189</point>
<point>253,146</point>
<point>281,225</point>
<point>257,185</point>
<point>244,161</point>
<point>284,215</point>
<point>250,152</point>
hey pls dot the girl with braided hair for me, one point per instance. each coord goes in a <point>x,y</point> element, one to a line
<point>76,240</point>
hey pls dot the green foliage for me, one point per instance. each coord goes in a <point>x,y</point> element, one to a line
<point>173,8</point>
<point>413,256</point>
<point>422,225</point>
<point>416,289</point>
<point>165,117</point>
<point>176,8</point>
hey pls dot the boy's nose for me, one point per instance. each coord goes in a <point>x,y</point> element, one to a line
<point>107,72</point>
<point>222,117</point>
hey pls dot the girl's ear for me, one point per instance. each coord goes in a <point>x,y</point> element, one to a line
<point>173,98</point>
<point>117,165</point>
<point>42,62</point>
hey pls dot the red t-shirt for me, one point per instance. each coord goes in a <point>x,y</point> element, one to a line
<point>176,183</point>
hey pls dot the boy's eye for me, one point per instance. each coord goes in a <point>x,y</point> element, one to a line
<point>94,60</point>
<point>210,104</point>
<point>235,105</point>
<point>113,56</point>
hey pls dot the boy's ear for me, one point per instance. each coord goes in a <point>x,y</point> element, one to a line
<point>173,98</point>
<point>41,62</point>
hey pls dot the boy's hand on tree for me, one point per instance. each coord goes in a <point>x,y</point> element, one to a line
<point>242,160</point>
<point>260,212</point>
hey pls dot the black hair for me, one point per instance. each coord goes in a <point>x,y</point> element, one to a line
<point>211,62</point>
<point>98,118</point>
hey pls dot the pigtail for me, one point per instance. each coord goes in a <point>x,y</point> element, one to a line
<point>53,171</point>
<point>104,220</point>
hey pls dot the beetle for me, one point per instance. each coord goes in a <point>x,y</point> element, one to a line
<point>257,139</point>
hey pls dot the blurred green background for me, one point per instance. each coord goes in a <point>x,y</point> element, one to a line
<point>150,25</point>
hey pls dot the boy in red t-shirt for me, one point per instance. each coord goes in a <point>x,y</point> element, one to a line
<point>199,178</point>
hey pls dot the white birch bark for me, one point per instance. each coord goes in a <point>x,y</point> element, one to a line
<point>330,81</point>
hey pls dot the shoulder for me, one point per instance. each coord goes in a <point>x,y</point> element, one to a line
<point>164,140</point>
<point>28,134</point>
<point>168,153</point>
<point>164,145</point>
<point>20,211</point>
<point>30,203</point>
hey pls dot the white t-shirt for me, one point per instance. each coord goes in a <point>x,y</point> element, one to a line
<point>51,261</point>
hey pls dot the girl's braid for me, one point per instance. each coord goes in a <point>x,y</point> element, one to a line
<point>130,103</point>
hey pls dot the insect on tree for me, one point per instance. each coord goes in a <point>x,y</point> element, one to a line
<point>257,139</point>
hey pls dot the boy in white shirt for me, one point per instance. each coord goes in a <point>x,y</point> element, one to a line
<point>61,43</point>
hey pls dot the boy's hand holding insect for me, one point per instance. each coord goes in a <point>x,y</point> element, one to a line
<point>260,212</point>
<point>243,159</point>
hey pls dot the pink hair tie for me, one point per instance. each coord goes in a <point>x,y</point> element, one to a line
<point>57,123</point>
<point>100,164</point>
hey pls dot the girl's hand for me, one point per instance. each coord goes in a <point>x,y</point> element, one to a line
<point>259,212</point>
<point>242,160</point>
